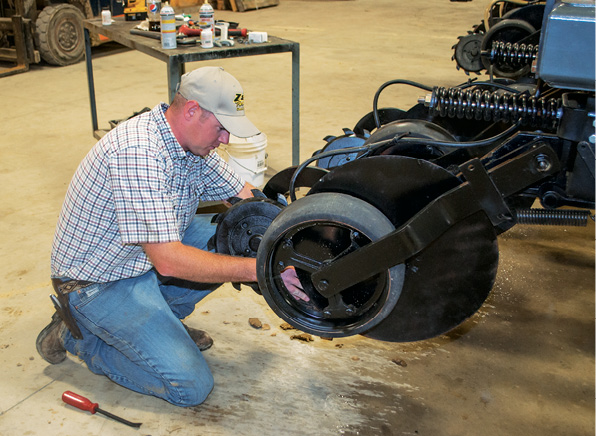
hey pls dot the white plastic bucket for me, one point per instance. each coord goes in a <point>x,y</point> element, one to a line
<point>248,157</point>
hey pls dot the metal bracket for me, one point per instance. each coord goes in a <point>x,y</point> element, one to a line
<point>485,191</point>
<point>587,154</point>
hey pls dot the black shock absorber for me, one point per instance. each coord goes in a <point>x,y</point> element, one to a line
<point>482,104</point>
<point>512,55</point>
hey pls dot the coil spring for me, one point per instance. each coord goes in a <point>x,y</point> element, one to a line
<point>545,217</point>
<point>514,55</point>
<point>495,106</point>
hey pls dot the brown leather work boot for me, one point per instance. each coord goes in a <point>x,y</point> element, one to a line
<point>201,337</point>
<point>49,341</point>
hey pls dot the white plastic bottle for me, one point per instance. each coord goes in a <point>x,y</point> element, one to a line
<point>206,20</point>
<point>168,26</point>
<point>106,17</point>
<point>206,38</point>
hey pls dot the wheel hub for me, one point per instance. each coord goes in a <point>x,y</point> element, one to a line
<point>240,229</point>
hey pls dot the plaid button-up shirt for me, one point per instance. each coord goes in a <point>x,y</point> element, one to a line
<point>136,185</point>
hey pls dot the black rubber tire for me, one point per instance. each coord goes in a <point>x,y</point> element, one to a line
<point>511,31</point>
<point>533,14</point>
<point>415,128</point>
<point>279,183</point>
<point>386,115</point>
<point>59,34</point>
<point>327,209</point>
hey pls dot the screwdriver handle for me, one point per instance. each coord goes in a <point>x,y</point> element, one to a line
<point>79,401</point>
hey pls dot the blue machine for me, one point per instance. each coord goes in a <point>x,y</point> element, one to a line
<point>567,49</point>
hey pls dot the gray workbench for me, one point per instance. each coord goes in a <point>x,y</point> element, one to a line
<point>175,59</point>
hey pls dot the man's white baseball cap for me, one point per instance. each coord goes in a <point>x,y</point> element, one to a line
<point>219,92</point>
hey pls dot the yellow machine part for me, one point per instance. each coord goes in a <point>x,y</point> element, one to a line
<point>135,7</point>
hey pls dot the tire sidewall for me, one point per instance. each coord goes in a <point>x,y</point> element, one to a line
<point>59,34</point>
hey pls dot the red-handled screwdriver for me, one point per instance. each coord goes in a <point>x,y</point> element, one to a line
<point>83,403</point>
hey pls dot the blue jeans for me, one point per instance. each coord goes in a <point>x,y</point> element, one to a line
<point>132,331</point>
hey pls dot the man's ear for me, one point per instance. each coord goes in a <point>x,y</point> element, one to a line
<point>191,109</point>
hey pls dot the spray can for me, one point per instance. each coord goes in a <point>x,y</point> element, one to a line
<point>153,9</point>
<point>106,17</point>
<point>206,38</point>
<point>168,26</point>
<point>206,20</point>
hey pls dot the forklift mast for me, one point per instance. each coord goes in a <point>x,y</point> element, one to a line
<point>50,31</point>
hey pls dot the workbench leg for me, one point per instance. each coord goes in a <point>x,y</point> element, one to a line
<point>90,82</point>
<point>175,71</point>
<point>296,105</point>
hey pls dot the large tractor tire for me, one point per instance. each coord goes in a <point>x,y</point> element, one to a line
<point>59,34</point>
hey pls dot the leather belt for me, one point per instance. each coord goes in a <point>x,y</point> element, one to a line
<point>68,286</point>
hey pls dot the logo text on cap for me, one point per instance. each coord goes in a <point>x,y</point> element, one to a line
<point>239,100</point>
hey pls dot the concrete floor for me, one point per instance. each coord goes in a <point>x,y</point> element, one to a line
<point>523,365</point>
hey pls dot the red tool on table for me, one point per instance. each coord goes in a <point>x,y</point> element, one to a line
<point>188,31</point>
<point>83,403</point>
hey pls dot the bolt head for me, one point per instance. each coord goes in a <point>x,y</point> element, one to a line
<point>543,163</point>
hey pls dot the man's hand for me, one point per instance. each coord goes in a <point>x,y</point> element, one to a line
<point>290,279</point>
<point>245,193</point>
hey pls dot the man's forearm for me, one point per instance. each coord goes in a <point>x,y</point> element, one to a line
<point>174,259</point>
